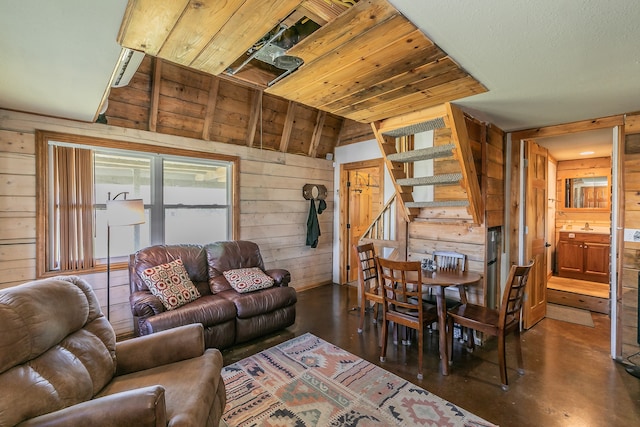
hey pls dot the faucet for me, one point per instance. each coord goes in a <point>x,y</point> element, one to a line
<point>586,226</point>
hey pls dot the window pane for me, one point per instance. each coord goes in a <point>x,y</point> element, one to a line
<point>194,183</point>
<point>125,240</point>
<point>196,225</point>
<point>196,202</point>
<point>115,173</point>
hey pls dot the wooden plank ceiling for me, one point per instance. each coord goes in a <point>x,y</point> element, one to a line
<point>365,63</point>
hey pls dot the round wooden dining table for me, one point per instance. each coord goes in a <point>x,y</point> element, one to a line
<point>439,280</point>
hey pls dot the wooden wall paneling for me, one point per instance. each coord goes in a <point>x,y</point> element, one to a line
<point>445,214</point>
<point>302,130</point>
<point>271,125</point>
<point>17,207</point>
<point>632,143</point>
<point>129,106</point>
<point>603,163</point>
<point>16,142</point>
<point>328,134</point>
<point>424,238</point>
<point>274,215</point>
<point>352,132</point>
<point>174,124</point>
<point>581,126</point>
<point>631,124</point>
<point>127,115</point>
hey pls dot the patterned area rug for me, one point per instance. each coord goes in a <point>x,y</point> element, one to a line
<point>309,382</point>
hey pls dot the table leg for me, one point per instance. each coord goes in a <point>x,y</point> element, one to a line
<point>442,327</point>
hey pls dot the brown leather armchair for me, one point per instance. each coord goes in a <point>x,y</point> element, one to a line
<point>60,365</point>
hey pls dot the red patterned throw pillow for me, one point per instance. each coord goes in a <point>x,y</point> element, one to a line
<point>171,284</point>
<point>248,279</point>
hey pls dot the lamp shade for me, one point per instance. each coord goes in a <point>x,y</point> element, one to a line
<point>125,212</point>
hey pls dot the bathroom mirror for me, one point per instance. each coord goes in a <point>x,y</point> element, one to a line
<point>587,192</point>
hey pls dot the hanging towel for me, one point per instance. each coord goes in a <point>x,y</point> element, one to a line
<point>313,227</point>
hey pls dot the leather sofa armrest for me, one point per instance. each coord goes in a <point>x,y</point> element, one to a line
<point>145,304</point>
<point>161,348</point>
<point>140,407</point>
<point>281,277</point>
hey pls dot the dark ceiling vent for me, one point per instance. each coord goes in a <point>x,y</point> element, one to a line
<point>272,48</point>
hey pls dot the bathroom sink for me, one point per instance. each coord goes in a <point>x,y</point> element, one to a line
<point>591,230</point>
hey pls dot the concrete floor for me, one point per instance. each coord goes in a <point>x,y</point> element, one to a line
<point>570,378</point>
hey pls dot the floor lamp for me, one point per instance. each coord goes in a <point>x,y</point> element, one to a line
<point>119,213</point>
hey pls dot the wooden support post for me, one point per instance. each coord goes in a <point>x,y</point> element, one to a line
<point>211,107</point>
<point>155,94</point>
<point>317,133</point>
<point>256,114</point>
<point>288,125</point>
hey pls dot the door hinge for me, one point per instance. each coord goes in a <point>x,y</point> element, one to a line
<point>348,184</point>
<point>348,267</point>
<point>526,163</point>
<point>348,226</point>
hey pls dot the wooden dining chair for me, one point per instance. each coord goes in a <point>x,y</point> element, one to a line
<point>370,289</point>
<point>497,323</point>
<point>403,305</point>
<point>449,260</point>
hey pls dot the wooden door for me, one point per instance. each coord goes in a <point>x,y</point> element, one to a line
<point>361,200</point>
<point>362,183</point>
<point>535,306</point>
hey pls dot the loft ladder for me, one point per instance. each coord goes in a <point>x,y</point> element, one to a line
<point>456,184</point>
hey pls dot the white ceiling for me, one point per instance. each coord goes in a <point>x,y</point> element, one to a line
<point>57,57</point>
<point>544,62</point>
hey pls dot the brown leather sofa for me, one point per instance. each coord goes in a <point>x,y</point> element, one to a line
<point>228,317</point>
<point>60,365</point>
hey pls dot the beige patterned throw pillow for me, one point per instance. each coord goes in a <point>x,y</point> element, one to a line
<point>248,279</point>
<point>171,284</point>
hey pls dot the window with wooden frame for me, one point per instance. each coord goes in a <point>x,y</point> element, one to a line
<point>188,196</point>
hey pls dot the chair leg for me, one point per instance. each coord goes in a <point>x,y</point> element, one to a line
<point>471,342</point>
<point>363,304</point>
<point>502,362</point>
<point>519,352</point>
<point>385,327</point>
<point>450,339</point>
<point>375,311</point>
<point>420,348</point>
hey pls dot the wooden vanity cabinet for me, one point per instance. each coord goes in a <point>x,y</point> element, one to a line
<point>584,256</point>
